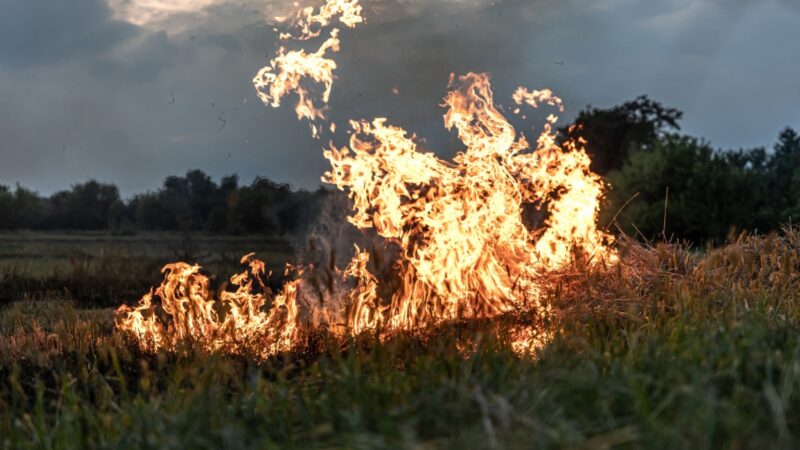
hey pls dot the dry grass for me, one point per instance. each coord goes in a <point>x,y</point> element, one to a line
<point>673,347</point>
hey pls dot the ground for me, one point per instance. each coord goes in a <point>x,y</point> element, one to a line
<point>673,348</point>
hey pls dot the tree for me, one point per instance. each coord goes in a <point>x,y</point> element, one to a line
<point>152,213</point>
<point>610,133</point>
<point>784,176</point>
<point>6,208</point>
<point>85,207</point>
<point>222,217</point>
<point>709,196</point>
<point>258,206</point>
<point>30,209</point>
<point>202,197</point>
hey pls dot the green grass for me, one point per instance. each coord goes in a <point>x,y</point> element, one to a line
<point>672,349</point>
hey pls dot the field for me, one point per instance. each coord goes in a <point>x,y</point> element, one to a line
<point>673,348</point>
<point>97,270</point>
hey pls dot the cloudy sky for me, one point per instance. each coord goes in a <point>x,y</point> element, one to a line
<point>130,91</point>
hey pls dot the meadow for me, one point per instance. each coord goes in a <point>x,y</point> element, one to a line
<point>672,348</point>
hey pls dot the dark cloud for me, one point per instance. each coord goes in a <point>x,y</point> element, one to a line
<point>83,95</point>
<point>46,31</point>
<point>144,60</point>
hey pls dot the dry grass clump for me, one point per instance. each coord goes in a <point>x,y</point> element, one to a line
<point>754,271</point>
<point>40,331</point>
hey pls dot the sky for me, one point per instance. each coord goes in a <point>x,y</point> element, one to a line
<point>131,91</point>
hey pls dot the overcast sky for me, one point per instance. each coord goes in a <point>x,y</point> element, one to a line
<point>130,91</point>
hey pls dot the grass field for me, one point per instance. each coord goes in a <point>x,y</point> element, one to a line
<point>99,270</point>
<point>671,349</point>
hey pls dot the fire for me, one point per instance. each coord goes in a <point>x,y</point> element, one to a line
<point>185,298</point>
<point>465,250</point>
<point>287,70</point>
<point>285,73</point>
<point>309,21</point>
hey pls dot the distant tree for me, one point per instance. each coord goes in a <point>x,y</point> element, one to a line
<point>610,133</point>
<point>30,209</point>
<point>753,163</point>
<point>202,198</point>
<point>173,200</point>
<point>299,213</point>
<point>784,176</point>
<point>151,212</point>
<point>221,216</point>
<point>120,218</point>
<point>192,202</point>
<point>176,185</point>
<point>6,208</point>
<point>85,207</point>
<point>258,206</point>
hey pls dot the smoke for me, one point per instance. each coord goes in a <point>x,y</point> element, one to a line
<point>327,249</point>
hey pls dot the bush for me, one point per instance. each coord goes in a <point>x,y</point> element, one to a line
<point>705,194</point>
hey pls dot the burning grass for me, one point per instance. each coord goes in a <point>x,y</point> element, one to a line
<point>671,348</point>
<point>493,335</point>
<point>462,247</point>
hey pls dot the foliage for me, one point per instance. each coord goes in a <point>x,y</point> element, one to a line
<point>190,203</point>
<point>784,182</point>
<point>690,183</point>
<point>610,133</point>
<point>706,195</point>
<point>88,206</point>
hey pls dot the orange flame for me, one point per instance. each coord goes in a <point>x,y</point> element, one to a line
<point>285,73</point>
<point>465,249</point>
<point>309,22</point>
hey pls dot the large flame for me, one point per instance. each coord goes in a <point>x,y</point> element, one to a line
<point>465,248</point>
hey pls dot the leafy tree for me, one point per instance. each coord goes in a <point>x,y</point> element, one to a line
<point>151,213</point>
<point>203,196</point>
<point>6,208</point>
<point>258,206</point>
<point>173,200</point>
<point>709,196</point>
<point>30,209</point>
<point>784,179</point>
<point>195,202</point>
<point>85,207</point>
<point>610,133</point>
<point>221,216</point>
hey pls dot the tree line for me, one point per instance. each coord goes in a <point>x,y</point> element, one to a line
<point>662,184</point>
<point>193,202</point>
